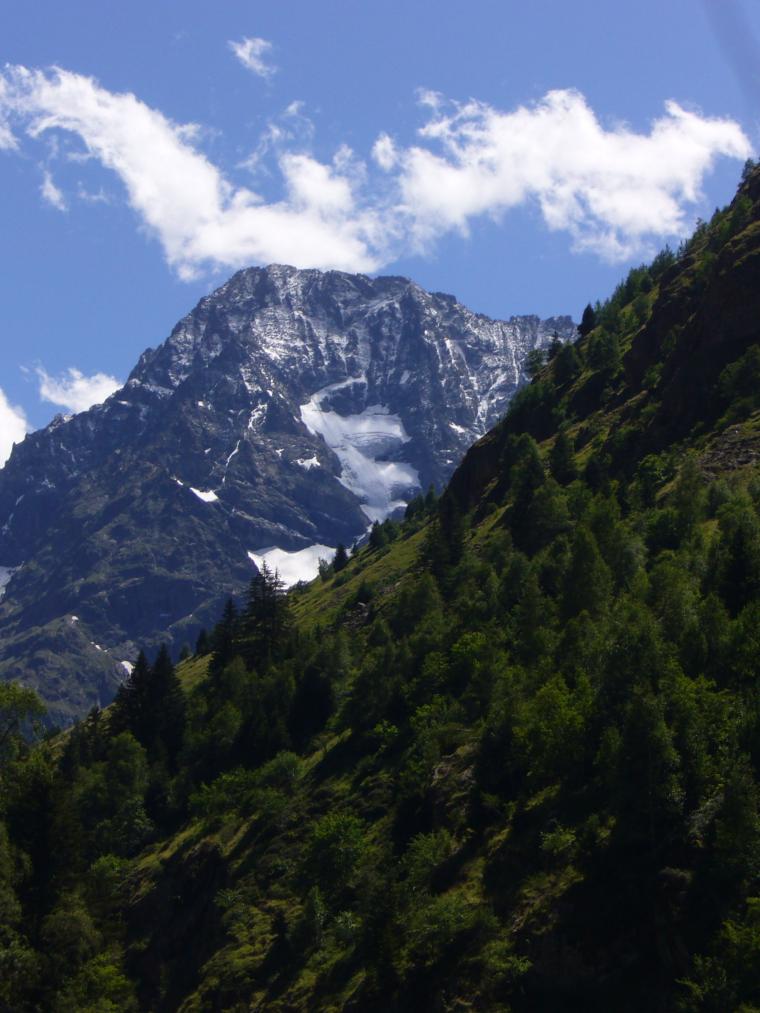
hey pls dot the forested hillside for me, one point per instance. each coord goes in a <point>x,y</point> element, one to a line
<point>506,757</point>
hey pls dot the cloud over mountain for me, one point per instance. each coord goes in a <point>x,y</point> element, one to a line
<point>613,190</point>
<point>75,392</point>
<point>13,427</point>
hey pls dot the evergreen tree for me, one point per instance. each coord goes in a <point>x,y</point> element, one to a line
<point>588,321</point>
<point>604,353</point>
<point>535,361</point>
<point>567,364</point>
<point>452,528</point>
<point>340,559</point>
<point>377,537</point>
<point>224,638</point>
<point>130,710</point>
<point>151,705</point>
<point>562,460</point>
<point>312,706</point>
<point>588,584</point>
<point>265,622</point>
<point>202,644</point>
<point>527,476</point>
<point>168,703</point>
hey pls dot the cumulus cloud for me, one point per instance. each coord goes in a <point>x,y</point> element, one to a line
<point>13,427</point>
<point>253,54</point>
<point>198,216</point>
<point>51,194</point>
<point>75,392</point>
<point>384,152</point>
<point>613,190</point>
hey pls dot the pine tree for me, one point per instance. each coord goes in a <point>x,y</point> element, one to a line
<point>340,559</point>
<point>266,620</point>
<point>130,708</point>
<point>377,537</point>
<point>527,476</point>
<point>224,638</point>
<point>588,584</point>
<point>202,644</point>
<point>588,321</point>
<point>151,705</point>
<point>567,364</point>
<point>562,460</point>
<point>167,702</point>
<point>452,528</point>
<point>534,361</point>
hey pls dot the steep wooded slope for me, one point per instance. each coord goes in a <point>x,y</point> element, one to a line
<point>508,760</point>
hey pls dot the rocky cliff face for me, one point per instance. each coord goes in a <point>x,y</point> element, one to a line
<point>283,415</point>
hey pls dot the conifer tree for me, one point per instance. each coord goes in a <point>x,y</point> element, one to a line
<point>266,620</point>
<point>588,584</point>
<point>567,364</point>
<point>377,536</point>
<point>452,528</point>
<point>223,638</point>
<point>202,644</point>
<point>129,711</point>
<point>168,703</point>
<point>151,705</point>
<point>527,476</point>
<point>534,361</point>
<point>340,559</point>
<point>588,321</point>
<point>562,460</point>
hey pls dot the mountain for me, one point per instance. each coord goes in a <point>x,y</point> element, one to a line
<point>508,760</point>
<point>281,417</point>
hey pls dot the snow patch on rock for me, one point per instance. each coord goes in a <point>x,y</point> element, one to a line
<point>362,443</point>
<point>302,564</point>
<point>6,572</point>
<point>207,495</point>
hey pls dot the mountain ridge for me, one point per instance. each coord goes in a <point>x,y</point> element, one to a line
<point>287,411</point>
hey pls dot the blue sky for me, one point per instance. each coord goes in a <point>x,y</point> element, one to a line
<point>521,156</point>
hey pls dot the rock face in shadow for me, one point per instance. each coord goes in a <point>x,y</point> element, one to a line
<point>290,409</point>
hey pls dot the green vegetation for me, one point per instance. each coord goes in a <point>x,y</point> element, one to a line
<point>506,756</point>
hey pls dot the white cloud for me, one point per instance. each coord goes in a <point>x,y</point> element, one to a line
<point>7,140</point>
<point>13,427</point>
<point>384,152</point>
<point>51,194</point>
<point>199,217</point>
<point>611,189</point>
<point>615,191</point>
<point>253,53</point>
<point>92,196</point>
<point>75,392</point>
<point>291,130</point>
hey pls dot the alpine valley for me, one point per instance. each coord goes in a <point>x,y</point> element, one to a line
<point>284,415</point>
<point>504,758</point>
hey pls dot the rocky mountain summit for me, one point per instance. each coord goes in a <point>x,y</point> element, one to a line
<point>282,416</point>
